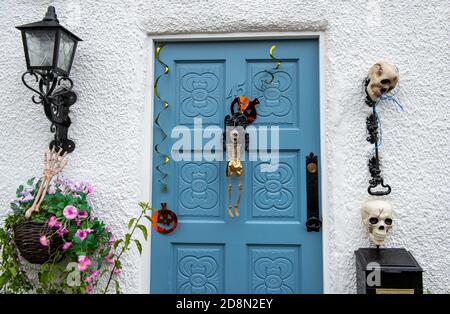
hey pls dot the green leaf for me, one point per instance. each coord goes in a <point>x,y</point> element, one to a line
<point>144,231</point>
<point>44,276</point>
<point>91,240</point>
<point>143,205</point>
<point>117,287</point>
<point>3,279</point>
<point>61,205</point>
<point>148,218</point>
<point>69,198</point>
<point>30,181</point>
<point>13,271</point>
<point>139,246</point>
<point>16,208</point>
<point>116,243</point>
<point>99,263</point>
<point>131,222</point>
<point>127,240</point>
<point>20,189</point>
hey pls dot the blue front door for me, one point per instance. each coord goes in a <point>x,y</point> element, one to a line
<point>267,249</point>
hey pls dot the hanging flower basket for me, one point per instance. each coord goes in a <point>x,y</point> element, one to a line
<point>53,225</point>
<point>27,237</point>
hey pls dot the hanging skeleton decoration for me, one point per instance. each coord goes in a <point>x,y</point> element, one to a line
<point>381,79</point>
<point>54,162</point>
<point>377,216</point>
<point>235,139</point>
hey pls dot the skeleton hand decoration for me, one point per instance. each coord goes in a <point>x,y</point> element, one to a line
<point>54,162</point>
<point>377,215</point>
<point>234,166</point>
<point>381,79</point>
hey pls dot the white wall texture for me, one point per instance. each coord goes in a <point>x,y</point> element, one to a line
<point>111,76</point>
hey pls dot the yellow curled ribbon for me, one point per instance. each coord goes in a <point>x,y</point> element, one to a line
<point>276,67</point>
<point>166,158</point>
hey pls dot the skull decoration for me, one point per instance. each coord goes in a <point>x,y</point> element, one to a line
<point>381,79</point>
<point>377,215</point>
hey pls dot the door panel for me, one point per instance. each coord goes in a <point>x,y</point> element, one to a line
<point>267,249</point>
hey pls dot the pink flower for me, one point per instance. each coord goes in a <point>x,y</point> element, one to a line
<point>52,190</point>
<point>89,289</point>
<point>95,273</point>
<point>108,229</point>
<point>61,232</point>
<point>112,239</point>
<point>44,241</point>
<point>67,245</point>
<point>81,234</point>
<point>88,279</point>
<point>70,212</point>
<point>52,221</point>
<point>78,222</point>
<point>83,214</point>
<point>90,189</point>
<point>117,271</point>
<point>83,263</point>
<point>58,224</point>
<point>109,259</point>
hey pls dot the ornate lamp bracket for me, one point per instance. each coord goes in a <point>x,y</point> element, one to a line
<point>56,96</point>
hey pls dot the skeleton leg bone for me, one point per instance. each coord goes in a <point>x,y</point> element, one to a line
<point>229,197</point>
<point>236,212</point>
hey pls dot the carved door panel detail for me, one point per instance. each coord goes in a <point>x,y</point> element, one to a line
<point>201,91</point>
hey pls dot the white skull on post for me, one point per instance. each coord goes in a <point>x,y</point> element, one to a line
<point>377,215</point>
<point>382,78</point>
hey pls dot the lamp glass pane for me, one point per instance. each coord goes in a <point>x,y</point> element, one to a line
<point>66,45</point>
<point>40,44</point>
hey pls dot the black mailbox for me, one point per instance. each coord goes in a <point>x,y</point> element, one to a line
<point>387,271</point>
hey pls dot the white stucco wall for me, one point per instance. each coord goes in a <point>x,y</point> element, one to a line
<point>110,75</point>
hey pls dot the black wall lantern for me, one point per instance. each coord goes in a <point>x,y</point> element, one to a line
<point>49,53</point>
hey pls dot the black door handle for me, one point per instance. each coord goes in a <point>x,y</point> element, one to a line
<point>313,222</point>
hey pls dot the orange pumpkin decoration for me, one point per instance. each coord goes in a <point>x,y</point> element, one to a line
<point>245,106</point>
<point>164,220</point>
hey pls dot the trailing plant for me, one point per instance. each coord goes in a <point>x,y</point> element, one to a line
<point>12,279</point>
<point>89,251</point>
